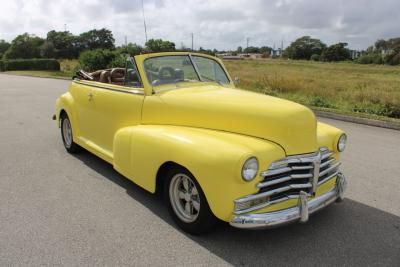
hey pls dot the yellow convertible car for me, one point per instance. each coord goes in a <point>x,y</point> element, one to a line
<point>174,123</point>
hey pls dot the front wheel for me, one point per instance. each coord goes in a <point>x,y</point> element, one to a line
<point>66,134</point>
<point>187,203</point>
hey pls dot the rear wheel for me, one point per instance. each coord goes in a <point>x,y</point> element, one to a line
<point>66,134</point>
<point>187,203</point>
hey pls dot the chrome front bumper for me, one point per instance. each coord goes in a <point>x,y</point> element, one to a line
<point>299,213</point>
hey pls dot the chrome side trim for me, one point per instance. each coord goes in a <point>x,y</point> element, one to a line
<point>127,91</point>
<point>299,213</point>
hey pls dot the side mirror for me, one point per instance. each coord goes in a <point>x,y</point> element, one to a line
<point>236,81</point>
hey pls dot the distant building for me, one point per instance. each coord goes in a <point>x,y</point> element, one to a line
<point>232,58</point>
<point>386,51</point>
<point>354,54</point>
<point>251,55</point>
<point>221,55</point>
<point>228,56</point>
<point>276,52</point>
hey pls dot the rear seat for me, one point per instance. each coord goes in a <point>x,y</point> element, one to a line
<point>117,76</point>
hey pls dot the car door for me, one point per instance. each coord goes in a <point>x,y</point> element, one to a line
<point>114,107</point>
<point>82,94</point>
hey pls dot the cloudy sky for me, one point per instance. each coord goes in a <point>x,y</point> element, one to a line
<point>221,24</point>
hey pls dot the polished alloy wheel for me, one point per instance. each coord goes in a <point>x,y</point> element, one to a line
<point>67,132</point>
<point>184,197</point>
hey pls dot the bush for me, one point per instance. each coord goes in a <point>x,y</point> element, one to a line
<point>100,59</point>
<point>315,57</point>
<point>370,59</point>
<point>393,59</point>
<point>30,64</point>
<point>318,101</point>
<point>391,110</point>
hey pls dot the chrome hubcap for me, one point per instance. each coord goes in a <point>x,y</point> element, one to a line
<point>67,133</point>
<point>184,197</point>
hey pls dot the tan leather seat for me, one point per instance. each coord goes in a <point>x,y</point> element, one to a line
<point>96,75</point>
<point>117,76</point>
<point>105,77</point>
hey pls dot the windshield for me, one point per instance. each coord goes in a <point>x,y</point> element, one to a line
<point>180,68</point>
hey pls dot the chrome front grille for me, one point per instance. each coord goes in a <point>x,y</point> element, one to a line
<point>286,178</point>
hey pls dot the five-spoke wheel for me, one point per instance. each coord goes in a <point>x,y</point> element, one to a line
<point>187,203</point>
<point>184,197</point>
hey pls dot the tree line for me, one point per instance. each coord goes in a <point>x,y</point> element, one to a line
<point>307,48</point>
<point>65,45</point>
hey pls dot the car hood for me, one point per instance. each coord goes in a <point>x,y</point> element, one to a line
<point>286,123</point>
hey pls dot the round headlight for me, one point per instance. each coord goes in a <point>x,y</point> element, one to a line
<point>250,169</point>
<point>341,145</point>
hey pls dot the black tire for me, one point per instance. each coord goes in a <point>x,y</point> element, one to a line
<point>69,144</point>
<point>205,220</point>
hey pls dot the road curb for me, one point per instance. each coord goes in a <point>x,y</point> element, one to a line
<point>365,121</point>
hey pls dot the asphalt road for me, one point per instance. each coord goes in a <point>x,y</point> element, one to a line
<point>59,209</point>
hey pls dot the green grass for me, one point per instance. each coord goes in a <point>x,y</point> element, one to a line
<point>66,71</point>
<point>370,90</point>
<point>39,73</point>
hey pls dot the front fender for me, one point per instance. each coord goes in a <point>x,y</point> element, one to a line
<point>215,158</point>
<point>328,136</point>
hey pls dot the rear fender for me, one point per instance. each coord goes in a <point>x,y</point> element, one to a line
<point>66,103</point>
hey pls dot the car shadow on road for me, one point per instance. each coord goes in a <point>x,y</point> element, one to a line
<point>349,233</point>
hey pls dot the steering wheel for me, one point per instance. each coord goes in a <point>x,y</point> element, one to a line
<point>166,73</point>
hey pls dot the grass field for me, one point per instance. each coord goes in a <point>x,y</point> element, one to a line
<point>347,87</point>
<point>371,91</point>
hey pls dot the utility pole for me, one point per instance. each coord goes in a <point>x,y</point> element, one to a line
<point>126,41</point>
<point>247,44</point>
<point>144,22</point>
<point>192,41</point>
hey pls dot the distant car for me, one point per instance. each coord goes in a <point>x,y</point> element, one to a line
<point>174,122</point>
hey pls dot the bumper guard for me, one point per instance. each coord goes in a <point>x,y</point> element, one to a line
<point>299,213</point>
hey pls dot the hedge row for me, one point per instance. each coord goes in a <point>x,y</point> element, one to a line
<point>29,64</point>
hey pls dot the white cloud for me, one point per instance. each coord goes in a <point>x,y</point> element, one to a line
<point>224,24</point>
